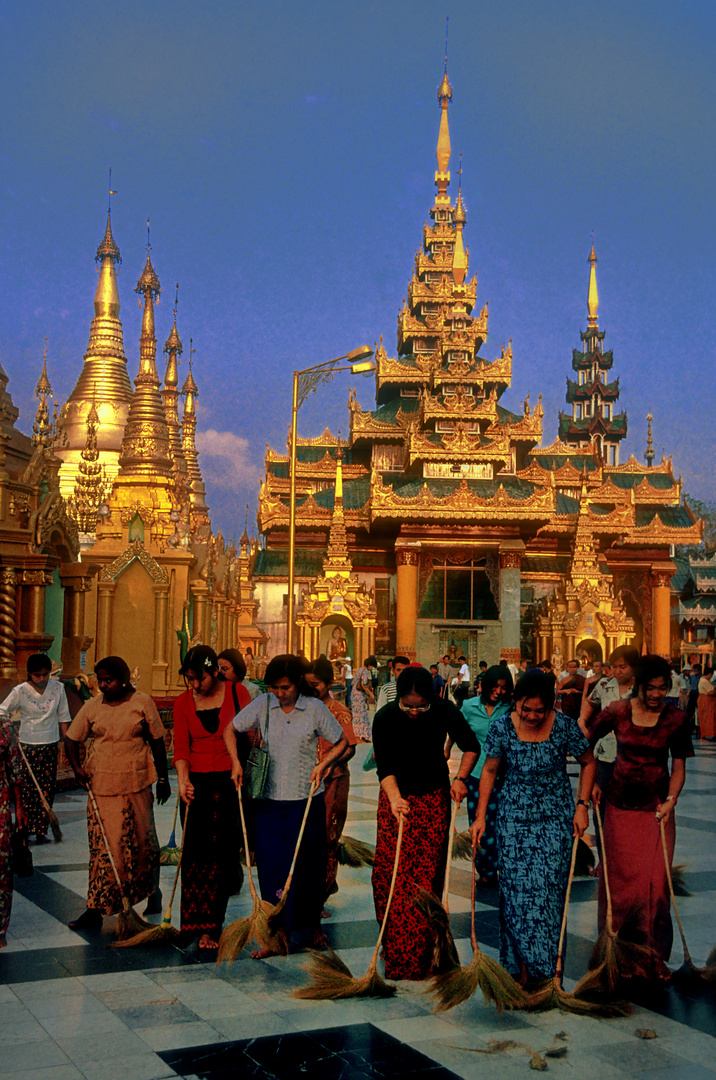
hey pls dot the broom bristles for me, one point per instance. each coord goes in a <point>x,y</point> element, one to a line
<point>331,980</point>
<point>354,853</point>
<point>169,856</point>
<point>165,934</point>
<point>445,956</point>
<point>462,846</point>
<point>553,996</point>
<point>55,826</point>
<point>129,923</point>
<point>234,939</point>
<point>483,973</point>
<point>255,926</point>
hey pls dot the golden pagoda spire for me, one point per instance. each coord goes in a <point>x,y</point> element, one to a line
<point>649,454</point>
<point>92,487</point>
<point>337,560</point>
<point>145,446</point>
<point>190,392</point>
<point>593,295</point>
<point>459,218</point>
<point>170,394</point>
<point>42,428</point>
<point>442,176</point>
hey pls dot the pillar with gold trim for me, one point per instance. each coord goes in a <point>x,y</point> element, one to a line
<point>407,560</point>
<point>661,574</point>
<point>511,552</point>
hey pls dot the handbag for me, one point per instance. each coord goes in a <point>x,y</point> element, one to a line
<point>257,765</point>
<point>20,853</point>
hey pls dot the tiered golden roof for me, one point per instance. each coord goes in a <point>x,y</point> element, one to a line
<point>197,489</point>
<point>92,487</point>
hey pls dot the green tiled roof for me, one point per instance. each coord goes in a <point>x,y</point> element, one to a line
<point>355,495</point>
<point>581,360</point>
<point>410,487</point>
<point>554,462</point>
<point>387,413</point>
<point>541,564</point>
<point>506,417</point>
<point>659,481</point>
<point>682,575</point>
<point>675,517</point>
<point>309,455</point>
<point>566,504</point>
<point>274,563</point>
<point>567,424</point>
<point>575,392</point>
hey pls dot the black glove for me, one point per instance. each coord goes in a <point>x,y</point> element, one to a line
<point>164,790</point>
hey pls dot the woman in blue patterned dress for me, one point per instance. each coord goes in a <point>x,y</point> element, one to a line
<point>536,822</point>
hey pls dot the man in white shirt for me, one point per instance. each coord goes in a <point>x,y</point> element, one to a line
<point>461,683</point>
<point>389,691</point>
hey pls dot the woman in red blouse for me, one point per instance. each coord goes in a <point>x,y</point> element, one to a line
<point>210,862</point>
<point>641,794</point>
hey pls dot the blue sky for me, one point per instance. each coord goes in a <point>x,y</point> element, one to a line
<point>285,155</point>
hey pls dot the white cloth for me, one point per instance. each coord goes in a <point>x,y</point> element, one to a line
<point>388,694</point>
<point>464,674</point>
<point>292,741</point>
<point>604,693</point>
<point>347,670</point>
<point>40,714</point>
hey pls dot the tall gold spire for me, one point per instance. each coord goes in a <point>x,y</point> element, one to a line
<point>92,487</point>
<point>593,295</point>
<point>337,560</point>
<point>442,176</point>
<point>649,455</point>
<point>197,489</point>
<point>173,348</point>
<point>42,428</point>
<point>145,446</point>
<point>459,218</point>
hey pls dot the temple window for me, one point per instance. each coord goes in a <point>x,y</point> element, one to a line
<point>459,592</point>
<point>581,378</point>
<point>136,530</point>
<point>606,411</point>
<point>409,391</point>
<point>578,415</point>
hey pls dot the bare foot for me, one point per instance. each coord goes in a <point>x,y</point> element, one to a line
<point>263,954</point>
<point>206,941</point>
<point>3,941</point>
<point>320,941</point>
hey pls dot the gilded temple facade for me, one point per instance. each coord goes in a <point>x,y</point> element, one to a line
<point>465,533</point>
<point>106,544</point>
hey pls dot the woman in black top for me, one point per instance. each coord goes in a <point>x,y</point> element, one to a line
<point>409,738</point>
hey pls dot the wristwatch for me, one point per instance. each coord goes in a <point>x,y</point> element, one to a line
<point>582,802</point>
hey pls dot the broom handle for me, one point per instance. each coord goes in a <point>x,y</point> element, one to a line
<point>473,934</point>
<point>687,955</point>
<point>176,811</point>
<point>608,891</point>
<point>289,879</point>
<point>399,844</point>
<point>448,865</point>
<point>252,887</point>
<point>43,800</point>
<point>563,931</point>
<point>181,852</point>
<point>106,844</point>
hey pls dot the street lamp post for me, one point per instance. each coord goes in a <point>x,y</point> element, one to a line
<point>306,382</point>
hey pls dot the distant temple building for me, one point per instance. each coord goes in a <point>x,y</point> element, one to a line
<point>457,531</point>
<point>106,542</point>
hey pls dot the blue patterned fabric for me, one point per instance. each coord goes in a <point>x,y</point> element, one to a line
<point>486,857</point>
<point>534,840</point>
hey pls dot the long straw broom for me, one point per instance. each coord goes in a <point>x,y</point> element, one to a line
<point>331,979</point>
<point>497,985</point>
<point>128,922</point>
<point>437,913</point>
<point>165,933</point>
<point>688,969</point>
<point>552,994</point>
<point>51,815</point>
<point>612,957</point>
<point>255,926</point>
<point>276,918</point>
<point>171,854</point>
<point>354,853</point>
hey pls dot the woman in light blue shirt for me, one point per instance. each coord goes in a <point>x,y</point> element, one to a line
<point>480,712</point>
<point>291,721</point>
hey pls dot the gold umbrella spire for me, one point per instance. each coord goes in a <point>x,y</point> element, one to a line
<point>170,394</point>
<point>91,487</point>
<point>459,217</point>
<point>190,393</point>
<point>145,446</point>
<point>442,176</point>
<point>42,427</point>
<point>649,455</point>
<point>593,295</point>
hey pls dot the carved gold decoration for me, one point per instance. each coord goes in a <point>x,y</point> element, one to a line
<point>407,557</point>
<point>8,588</point>
<point>510,560</point>
<point>137,550</point>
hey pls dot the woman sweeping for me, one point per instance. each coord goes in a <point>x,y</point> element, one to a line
<point>210,861</point>
<point>409,743</point>
<point>337,780</point>
<point>362,696</point>
<point>536,822</point>
<point>232,667</point>
<point>291,722</point>
<point>128,755</point>
<point>641,794</point>
<point>44,717</point>
<point>10,794</point>
<point>493,702</point>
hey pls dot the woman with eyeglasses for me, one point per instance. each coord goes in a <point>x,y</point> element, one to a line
<point>642,793</point>
<point>409,739</point>
<point>210,869</point>
<point>536,822</point>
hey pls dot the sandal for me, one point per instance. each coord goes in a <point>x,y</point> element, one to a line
<point>88,920</point>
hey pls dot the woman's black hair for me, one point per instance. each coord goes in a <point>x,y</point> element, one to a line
<point>199,660</point>
<point>535,683</point>
<point>323,670</point>
<point>628,653</point>
<point>287,666</point>
<point>416,678</point>
<point>370,661</point>
<point>236,660</point>
<point>38,662</point>
<point>651,667</point>
<point>489,682</point>
<point>116,668</point>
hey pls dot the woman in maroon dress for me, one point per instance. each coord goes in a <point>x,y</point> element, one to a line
<point>643,793</point>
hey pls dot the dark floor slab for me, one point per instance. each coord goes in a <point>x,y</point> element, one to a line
<point>355,1052</point>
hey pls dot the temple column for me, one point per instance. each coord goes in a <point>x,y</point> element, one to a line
<point>371,639</point>
<point>8,588</point>
<point>76,583</point>
<point>105,604</point>
<point>160,665</point>
<point>511,552</point>
<point>407,560</point>
<point>315,642</point>
<point>200,629</point>
<point>661,574</point>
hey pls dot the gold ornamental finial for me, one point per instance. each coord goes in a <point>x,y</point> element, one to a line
<point>190,392</point>
<point>42,428</point>
<point>170,395</point>
<point>649,454</point>
<point>459,217</point>
<point>442,176</point>
<point>593,295</point>
<point>244,541</point>
<point>92,487</point>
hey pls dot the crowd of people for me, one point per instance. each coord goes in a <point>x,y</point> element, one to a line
<point>517,728</point>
